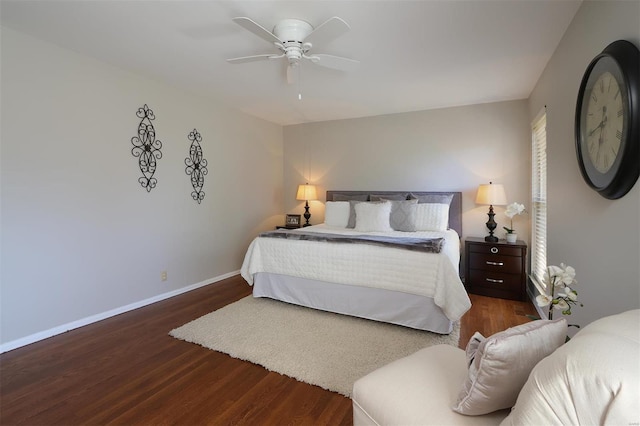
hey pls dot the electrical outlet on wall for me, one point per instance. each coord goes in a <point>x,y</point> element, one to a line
<point>163,275</point>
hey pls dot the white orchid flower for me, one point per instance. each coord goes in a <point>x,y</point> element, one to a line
<point>568,275</point>
<point>543,300</point>
<point>559,278</point>
<point>552,274</point>
<point>561,305</point>
<point>514,209</point>
<point>567,293</point>
<point>571,294</point>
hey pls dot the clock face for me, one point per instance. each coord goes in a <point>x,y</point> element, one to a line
<point>604,122</point>
<point>607,124</point>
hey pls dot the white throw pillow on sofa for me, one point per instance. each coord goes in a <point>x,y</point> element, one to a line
<point>592,379</point>
<point>502,363</point>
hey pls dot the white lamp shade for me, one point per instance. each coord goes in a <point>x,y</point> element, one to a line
<point>491,193</point>
<point>306,193</point>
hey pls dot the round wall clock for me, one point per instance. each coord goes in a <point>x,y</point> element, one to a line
<point>607,126</point>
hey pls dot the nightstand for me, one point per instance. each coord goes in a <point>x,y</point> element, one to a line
<point>496,269</point>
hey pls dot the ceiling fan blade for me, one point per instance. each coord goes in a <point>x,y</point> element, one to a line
<point>334,62</point>
<point>256,28</point>
<point>253,58</point>
<point>330,29</point>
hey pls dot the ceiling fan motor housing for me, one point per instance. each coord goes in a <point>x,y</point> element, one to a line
<point>292,30</point>
<point>291,33</point>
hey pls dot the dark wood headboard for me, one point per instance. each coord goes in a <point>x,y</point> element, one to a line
<point>455,209</point>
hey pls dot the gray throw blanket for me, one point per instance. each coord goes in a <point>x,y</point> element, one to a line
<point>426,245</point>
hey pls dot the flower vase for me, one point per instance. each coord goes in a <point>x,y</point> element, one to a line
<point>512,237</point>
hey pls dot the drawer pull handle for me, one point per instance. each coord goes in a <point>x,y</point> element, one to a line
<point>494,250</point>
<point>491,280</point>
<point>495,263</point>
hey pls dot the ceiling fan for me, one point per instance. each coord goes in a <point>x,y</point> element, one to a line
<point>294,39</point>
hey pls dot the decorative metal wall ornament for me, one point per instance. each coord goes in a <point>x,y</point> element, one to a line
<point>196,166</point>
<point>146,148</point>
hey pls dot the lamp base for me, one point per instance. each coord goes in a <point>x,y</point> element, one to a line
<point>491,225</point>
<point>306,215</point>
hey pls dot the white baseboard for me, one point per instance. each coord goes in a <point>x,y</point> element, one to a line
<point>27,340</point>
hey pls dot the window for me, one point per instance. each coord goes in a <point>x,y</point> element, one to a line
<point>539,200</point>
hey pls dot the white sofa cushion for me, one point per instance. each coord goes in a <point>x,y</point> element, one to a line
<point>593,379</point>
<point>502,364</point>
<point>416,390</point>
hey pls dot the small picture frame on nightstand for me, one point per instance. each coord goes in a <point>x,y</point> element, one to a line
<point>292,221</point>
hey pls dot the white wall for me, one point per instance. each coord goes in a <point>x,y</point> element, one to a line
<point>599,237</point>
<point>80,236</point>
<point>452,149</point>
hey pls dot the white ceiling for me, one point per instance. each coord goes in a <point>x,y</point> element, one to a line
<point>414,55</point>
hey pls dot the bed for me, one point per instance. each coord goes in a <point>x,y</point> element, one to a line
<point>405,272</point>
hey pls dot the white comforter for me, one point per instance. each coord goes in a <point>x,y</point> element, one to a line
<point>432,275</point>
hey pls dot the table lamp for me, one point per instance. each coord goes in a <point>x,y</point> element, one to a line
<point>305,193</point>
<point>493,195</point>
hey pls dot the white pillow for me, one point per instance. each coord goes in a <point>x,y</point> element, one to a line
<point>472,347</point>
<point>373,217</point>
<point>502,364</point>
<point>432,217</point>
<point>336,213</point>
<point>592,379</point>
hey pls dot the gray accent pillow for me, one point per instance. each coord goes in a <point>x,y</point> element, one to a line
<point>352,212</point>
<point>432,198</point>
<point>349,197</point>
<point>390,197</point>
<point>403,215</point>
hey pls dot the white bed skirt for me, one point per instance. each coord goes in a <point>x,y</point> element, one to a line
<point>377,304</point>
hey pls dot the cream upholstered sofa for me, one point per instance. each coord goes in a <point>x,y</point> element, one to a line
<point>592,379</point>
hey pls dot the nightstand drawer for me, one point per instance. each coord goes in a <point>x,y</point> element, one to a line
<point>493,280</point>
<point>496,263</point>
<point>495,249</point>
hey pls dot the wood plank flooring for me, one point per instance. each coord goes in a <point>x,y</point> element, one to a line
<point>128,370</point>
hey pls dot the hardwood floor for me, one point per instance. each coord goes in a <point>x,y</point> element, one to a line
<point>128,370</point>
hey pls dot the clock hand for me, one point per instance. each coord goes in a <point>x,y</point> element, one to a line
<point>599,126</point>
<point>599,146</point>
<point>602,122</point>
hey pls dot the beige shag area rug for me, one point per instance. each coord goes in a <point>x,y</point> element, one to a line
<point>325,349</point>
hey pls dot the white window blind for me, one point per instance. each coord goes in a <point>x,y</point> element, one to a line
<point>539,200</point>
